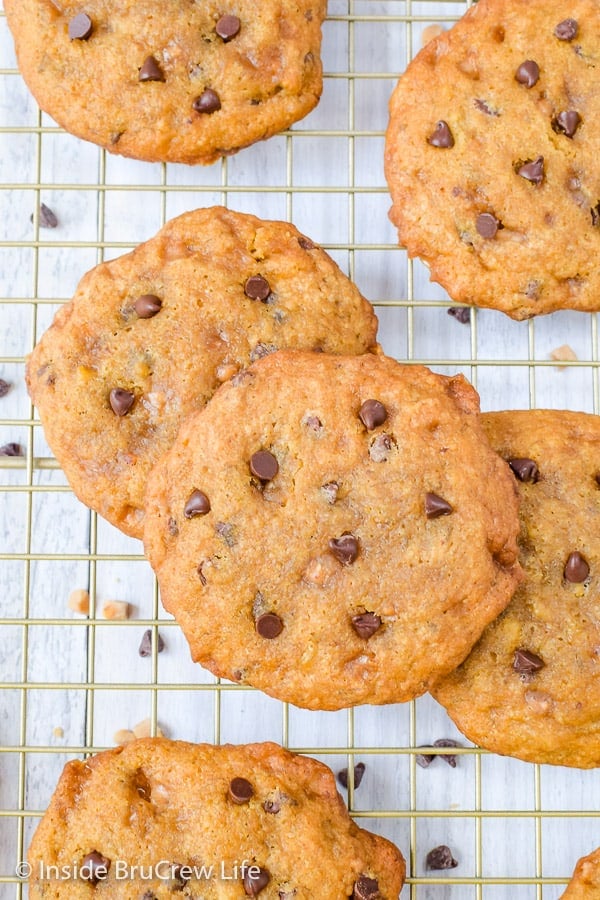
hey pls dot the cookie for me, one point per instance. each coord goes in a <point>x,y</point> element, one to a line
<point>177,82</point>
<point>148,338</point>
<point>159,818</point>
<point>333,530</point>
<point>491,156</point>
<point>531,686</point>
<point>585,883</point>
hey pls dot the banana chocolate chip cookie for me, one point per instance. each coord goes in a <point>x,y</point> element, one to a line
<point>158,819</point>
<point>149,337</point>
<point>182,81</point>
<point>531,686</point>
<point>334,530</point>
<point>585,883</point>
<point>491,156</point>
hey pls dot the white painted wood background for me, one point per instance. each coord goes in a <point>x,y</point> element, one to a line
<point>332,187</point>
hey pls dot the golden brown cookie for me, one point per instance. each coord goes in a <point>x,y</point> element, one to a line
<point>531,686</point>
<point>491,156</point>
<point>148,338</point>
<point>159,818</point>
<point>334,530</point>
<point>585,883</point>
<point>176,82</point>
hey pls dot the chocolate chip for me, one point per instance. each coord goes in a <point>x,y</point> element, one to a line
<point>240,791</point>
<point>313,423</point>
<point>272,807</point>
<point>5,387</point>
<point>269,626</point>
<point>94,867</point>
<point>359,771</point>
<point>532,170</point>
<point>179,880</point>
<point>528,73</point>
<point>197,504</point>
<point>149,895</point>
<point>256,880</point>
<point>487,225</point>
<point>120,401</point>
<point>485,108</point>
<point>440,858</point>
<point>372,414</point>
<point>46,218</point>
<point>576,568</point>
<point>207,102</point>
<point>228,27</point>
<point>366,624</point>
<point>80,27</point>
<point>441,136</point>
<point>305,243</point>
<point>381,447</point>
<point>366,888</point>
<point>261,350</point>
<point>436,506</point>
<point>151,71</point>
<point>567,122</point>
<point>257,288</point>
<point>462,314</point>
<point>330,491</point>
<point>344,548</point>
<point>145,648</point>
<point>172,527</point>
<point>264,465</point>
<point>449,758</point>
<point>525,469</point>
<point>595,211</point>
<point>597,477</point>
<point>147,305</point>
<point>11,449</point>
<point>526,663</point>
<point>225,531</point>
<point>566,30</point>
<point>424,760</point>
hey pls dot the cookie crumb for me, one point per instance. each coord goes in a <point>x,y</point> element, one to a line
<point>58,732</point>
<point>79,601</point>
<point>432,31</point>
<point>115,609</point>
<point>144,728</point>
<point>564,353</point>
<point>123,736</point>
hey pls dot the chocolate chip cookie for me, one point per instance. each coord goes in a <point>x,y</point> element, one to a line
<point>531,686</point>
<point>333,530</point>
<point>149,337</point>
<point>491,156</point>
<point>178,82</point>
<point>159,818</point>
<point>585,883</point>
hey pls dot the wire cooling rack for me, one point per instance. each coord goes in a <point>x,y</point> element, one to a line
<point>69,682</point>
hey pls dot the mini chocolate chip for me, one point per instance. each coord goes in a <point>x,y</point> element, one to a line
<point>264,465</point>
<point>207,102</point>
<point>528,73</point>
<point>372,414</point>
<point>449,758</point>
<point>145,648</point>
<point>359,771</point>
<point>147,306</point>
<point>5,387</point>
<point>228,27</point>
<point>526,663</point>
<point>525,469</point>
<point>256,880</point>
<point>305,243</point>
<point>487,225</point>
<point>485,108</point>
<point>269,626</point>
<point>313,423</point>
<point>261,350</point>
<point>441,136</point>
<point>330,491</point>
<point>440,858</point>
<point>566,30</point>
<point>436,506</point>
<point>11,449</point>
<point>94,867</point>
<point>462,314</point>
<point>567,122</point>
<point>80,27</point>
<point>576,568</point>
<point>151,71</point>
<point>240,791</point>
<point>197,504</point>
<point>380,447</point>
<point>595,211</point>
<point>272,807</point>
<point>366,624</point>
<point>532,170</point>
<point>344,548</point>
<point>257,288</point>
<point>46,218</point>
<point>121,401</point>
<point>366,888</point>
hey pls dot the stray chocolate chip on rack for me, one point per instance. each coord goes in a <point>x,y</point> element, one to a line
<point>440,858</point>
<point>11,449</point>
<point>359,771</point>
<point>462,314</point>
<point>5,387</point>
<point>47,219</point>
<point>449,758</point>
<point>145,648</point>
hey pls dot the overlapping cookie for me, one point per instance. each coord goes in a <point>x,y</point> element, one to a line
<point>333,530</point>
<point>171,82</point>
<point>159,818</point>
<point>585,883</point>
<point>491,156</point>
<point>531,686</point>
<point>149,337</point>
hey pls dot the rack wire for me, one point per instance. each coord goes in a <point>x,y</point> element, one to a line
<point>68,682</point>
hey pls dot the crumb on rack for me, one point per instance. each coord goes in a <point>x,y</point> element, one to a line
<point>564,353</point>
<point>431,32</point>
<point>116,609</point>
<point>79,601</point>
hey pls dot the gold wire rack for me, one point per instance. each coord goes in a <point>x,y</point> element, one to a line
<point>68,683</point>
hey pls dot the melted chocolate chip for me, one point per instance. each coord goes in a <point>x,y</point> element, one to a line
<point>330,491</point>
<point>528,73</point>
<point>5,387</point>
<point>462,314</point>
<point>121,401</point>
<point>256,880</point>
<point>527,663</point>
<point>151,71</point>
<point>372,414</point>
<point>272,807</point>
<point>436,506</point>
<point>576,568</point>
<point>147,306</point>
<point>359,771</point>
<point>381,447</point>
<point>441,136</point>
<point>487,225</point>
<point>305,243</point>
<point>484,107</point>
<point>94,867</point>
<point>240,791</point>
<point>197,504</point>
<point>525,469</point>
<point>366,624</point>
<point>533,170</point>
<point>566,30</point>
<point>264,465</point>
<point>567,122</point>
<point>207,102</point>
<point>344,548</point>
<point>145,648</point>
<point>440,858</point>
<point>11,449</point>
<point>257,288</point>
<point>269,626</point>
<point>80,27</point>
<point>366,888</point>
<point>228,27</point>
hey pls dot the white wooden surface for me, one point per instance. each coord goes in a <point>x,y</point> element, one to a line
<point>59,546</point>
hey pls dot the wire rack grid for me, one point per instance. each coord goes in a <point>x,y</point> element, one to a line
<point>68,682</point>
